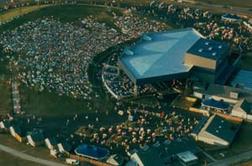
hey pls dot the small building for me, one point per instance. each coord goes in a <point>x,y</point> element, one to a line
<point>35,138</point>
<point>5,124</point>
<point>215,106</point>
<point>187,158</point>
<point>115,160</point>
<point>231,18</point>
<point>16,132</point>
<point>50,143</point>
<point>225,93</point>
<point>70,161</point>
<point>148,157</point>
<point>239,99</point>
<point>217,131</point>
<point>243,79</point>
<point>64,147</point>
<point>166,153</point>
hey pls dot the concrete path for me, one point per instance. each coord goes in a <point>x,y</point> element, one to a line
<point>27,157</point>
<point>233,9</point>
<point>16,97</point>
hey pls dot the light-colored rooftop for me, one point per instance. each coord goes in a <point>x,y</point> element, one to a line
<point>159,54</point>
<point>187,156</point>
<point>224,91</point>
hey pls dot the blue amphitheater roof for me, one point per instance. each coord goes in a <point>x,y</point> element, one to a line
<point>209,49</point>
<point>158,54</point>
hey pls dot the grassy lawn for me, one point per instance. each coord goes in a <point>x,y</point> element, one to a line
<point>55,109</point>
<point>9,15</point>
<point>46,103</point>
<point>66,13</point>
<point>246,61</point>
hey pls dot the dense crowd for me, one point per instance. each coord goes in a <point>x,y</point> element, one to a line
<point>142,127</point>
<point>55,56</point>
<point>119,86</point>
<point>208,24</point>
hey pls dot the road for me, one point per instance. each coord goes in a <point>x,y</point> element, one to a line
<point>27,157</point>
<point>233,160</point>
<point>233,9</point>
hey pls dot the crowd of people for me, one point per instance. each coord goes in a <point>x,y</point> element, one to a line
<point>142,127</point>
<point>134,26</point>
<point>49,54</point>
<point>119,86</point>
<point>55,56</point>
<point>208,24</point>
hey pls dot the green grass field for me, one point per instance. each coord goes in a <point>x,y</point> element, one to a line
<point>66,13</point>
<point>46,103</point>
<point>9,15</point>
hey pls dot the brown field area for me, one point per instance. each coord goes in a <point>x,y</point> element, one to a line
<point>248,163</point>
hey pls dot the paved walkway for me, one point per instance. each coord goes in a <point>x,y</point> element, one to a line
<point>27,157</point>
<point>233,9</point>
<point>16,97</point>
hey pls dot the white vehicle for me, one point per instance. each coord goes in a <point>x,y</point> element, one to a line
<point>72,161</point>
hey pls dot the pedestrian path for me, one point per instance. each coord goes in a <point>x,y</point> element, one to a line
<point>16,98</point>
